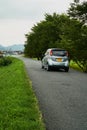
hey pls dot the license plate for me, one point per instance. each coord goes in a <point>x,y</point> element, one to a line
<point>59,59</point>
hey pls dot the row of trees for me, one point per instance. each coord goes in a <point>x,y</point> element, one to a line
<point>62,31</point>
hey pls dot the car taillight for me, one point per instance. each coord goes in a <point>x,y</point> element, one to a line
<point>51,53</point>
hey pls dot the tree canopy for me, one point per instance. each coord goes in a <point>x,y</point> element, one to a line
<point>78,11</point>
<point>61,31</point>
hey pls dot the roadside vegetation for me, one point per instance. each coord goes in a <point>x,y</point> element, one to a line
<point>4,61</point>
<point>68,31</point>
<point>18,105</point>
<point>75,66</point>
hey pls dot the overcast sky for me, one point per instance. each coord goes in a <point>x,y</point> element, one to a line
<point>17,17</point>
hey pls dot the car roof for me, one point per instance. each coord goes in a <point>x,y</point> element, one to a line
<point>56,49</point>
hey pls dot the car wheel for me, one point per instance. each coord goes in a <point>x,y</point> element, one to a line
<point>42,67</point>
<point>67,69</point>
<point>48,67</point>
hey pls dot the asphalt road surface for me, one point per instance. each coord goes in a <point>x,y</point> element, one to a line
<point>62,96</point>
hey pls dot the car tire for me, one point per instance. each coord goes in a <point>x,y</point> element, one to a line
<point>48,67</point>
<point>67,69</point>
<point>42,67</point>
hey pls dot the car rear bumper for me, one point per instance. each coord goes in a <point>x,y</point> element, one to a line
<point>58,64</point>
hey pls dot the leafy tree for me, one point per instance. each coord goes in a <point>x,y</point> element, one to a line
<point>59,31</point>
<point>79,34</point>
<point>44,35</point>
<point>78,11</point>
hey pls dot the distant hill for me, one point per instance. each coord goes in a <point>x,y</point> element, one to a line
<point>16,47</point>
<point>2,48</point>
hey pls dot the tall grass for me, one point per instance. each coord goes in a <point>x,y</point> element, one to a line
<point>74,66</point>
<point>18,104</point>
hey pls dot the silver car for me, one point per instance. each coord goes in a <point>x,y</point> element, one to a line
<point>55,58</point>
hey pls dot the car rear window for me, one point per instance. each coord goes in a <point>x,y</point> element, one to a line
<point>59,53</point>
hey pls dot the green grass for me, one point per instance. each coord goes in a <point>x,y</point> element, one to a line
<point>18,105</point>
<point>75,66</point>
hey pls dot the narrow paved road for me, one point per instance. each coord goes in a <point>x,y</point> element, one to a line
<point>62,96</point>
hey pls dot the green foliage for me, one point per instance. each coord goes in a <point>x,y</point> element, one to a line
<point>4,61</point>
<point>44,35</point>
<point>61,31</point>
<point>18,104</point>
<point>78,36</point>
<point>74,40</point>
<point>75,66</point>
<point>78,11</point>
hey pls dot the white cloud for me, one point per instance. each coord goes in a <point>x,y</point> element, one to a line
<point>13,31</point>
<point>18,17</point>
<point>31,8</point>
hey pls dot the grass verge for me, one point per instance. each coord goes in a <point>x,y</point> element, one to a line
<point>18,104</point>
<point>75,66</point>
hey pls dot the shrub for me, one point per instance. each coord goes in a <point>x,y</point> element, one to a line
<point>4,61</point>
